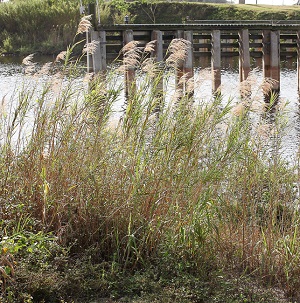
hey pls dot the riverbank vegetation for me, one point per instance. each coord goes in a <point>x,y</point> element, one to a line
<point>48,27</point>
<point>168,199</point>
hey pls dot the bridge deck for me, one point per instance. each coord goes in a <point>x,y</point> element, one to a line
<point>270,39</point>
<point>210,25</point>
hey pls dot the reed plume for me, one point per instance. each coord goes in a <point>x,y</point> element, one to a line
<point>90,48</point>
<point>29,64</point>
<point>84,24</point>
<point>129,46</point>
<point>178,50</point>
<point>150,46</point>
<point>131,56</point>
<point>150,67</point>
<point>268,85</point>
<point>45,69</point>
<point>61,56</point>
<point>28,60</point>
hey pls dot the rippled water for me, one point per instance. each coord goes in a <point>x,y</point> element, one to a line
<point>12,77</point>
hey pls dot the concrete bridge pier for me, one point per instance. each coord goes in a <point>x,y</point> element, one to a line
<point>244,63</point>
<point>216,60</point>
<point>89,56</point>
<point>130,84</point>
<point>271,61</point>
<point>244,54</point>
<point>99,55</point>
<point>298,60</point>
<point>179,70</point>
<point>188,65</point>
<point>158,56</point>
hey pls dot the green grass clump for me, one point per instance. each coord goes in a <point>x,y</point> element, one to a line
<point>37,26</point>
<point>88,199</point>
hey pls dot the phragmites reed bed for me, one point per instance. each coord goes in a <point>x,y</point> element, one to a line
<point>166,185</point>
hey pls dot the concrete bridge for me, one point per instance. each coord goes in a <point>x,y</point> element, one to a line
<point>272,40</point>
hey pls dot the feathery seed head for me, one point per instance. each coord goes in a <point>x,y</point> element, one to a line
<point>132,58</point>
<point>88,77</point>
<point>45,70</point>
<point>149,67</point>
<point>239,110</point>
<point>56,82</point>
<point>281,105</point>
<point>61,56</point>
<point>129,46</point>
<point>177,95</point>
<point>3,106</point>
<point>245,89</point>
<point>264,131</point>
<point>90,47</point>
<point>190,84</point>
<point>150,46</point>
<point>29,65</point>
<point>84,24</point>
<point>246,86</point>
<point>267,85</point>
<point>28,60</point>
<point>178,49</point>
<point>131,55</point>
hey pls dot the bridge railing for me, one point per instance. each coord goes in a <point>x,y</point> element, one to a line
<point>243,22</point>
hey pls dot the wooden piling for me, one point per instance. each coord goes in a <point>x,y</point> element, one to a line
<point>188,65</point>
<point>129,76</point>
<point>89,59</point>
<point>298,59</point>
<point>89,56</point>
<point>216,60</point>
<point>244,54</point>
<point>275,60</point>
<point>99,55</point>
<point>179,69</point>
<point>266,49</point>
<point>158,52</point>
<point>271,60</point>
<point>158,56</point>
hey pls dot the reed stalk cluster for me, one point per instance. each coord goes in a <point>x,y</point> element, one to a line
<point>195,185</point>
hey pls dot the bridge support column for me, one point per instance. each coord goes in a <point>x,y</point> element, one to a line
<point>271,60</point>
<point>158,52</point>
<point>179,70</point>
<point>216,60</point>
<point>188,65</point>
<point>130,84</point>
<point>244,52</point>
<point>89,59</point>
<point>158,56</point>
<point>266,40</point>
<point>99,55</point>
<point>244,63</point>
<point>275,59</point>
<point>298,59</point>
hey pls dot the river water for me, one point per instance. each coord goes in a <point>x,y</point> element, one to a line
<point>12,77</point>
